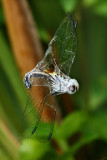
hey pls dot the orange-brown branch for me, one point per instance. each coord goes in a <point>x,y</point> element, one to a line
<point>24,39</point>
<point>23,34</point>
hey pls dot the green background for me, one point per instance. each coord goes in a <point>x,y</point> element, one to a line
<point>82,134</point>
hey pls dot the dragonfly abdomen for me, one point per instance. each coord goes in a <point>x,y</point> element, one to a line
<point>39,74</point>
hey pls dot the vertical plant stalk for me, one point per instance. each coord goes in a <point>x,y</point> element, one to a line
<point>23,34</point>
<point>8,140</point>
<point>24,40</point>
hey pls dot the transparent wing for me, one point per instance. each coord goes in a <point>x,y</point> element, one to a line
<point>46,123</point>
<point>39,119</point>
<point>61,49</point>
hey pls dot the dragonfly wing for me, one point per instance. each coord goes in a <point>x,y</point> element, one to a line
<point>64,44</point>
<point>46,124</point>
<point>32,108</point>
<point>61,49</point>
<point>38,121</point>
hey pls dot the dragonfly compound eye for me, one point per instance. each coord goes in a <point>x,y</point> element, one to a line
<point>73,86</point>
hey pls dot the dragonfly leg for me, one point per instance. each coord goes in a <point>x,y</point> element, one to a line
<point>53,93</point>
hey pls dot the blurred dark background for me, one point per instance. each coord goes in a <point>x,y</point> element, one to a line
<point>82,134</point>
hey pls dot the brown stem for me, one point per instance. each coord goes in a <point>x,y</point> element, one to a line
<point>67,102</point>
<point>24,39</point>
<point>23,34</point>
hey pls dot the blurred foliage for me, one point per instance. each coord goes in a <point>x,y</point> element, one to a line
<point>82,133</point>
<point>68,5</point>
<point>97,6</point>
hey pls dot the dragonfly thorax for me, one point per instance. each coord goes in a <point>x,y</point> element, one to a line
<point>63,84</point>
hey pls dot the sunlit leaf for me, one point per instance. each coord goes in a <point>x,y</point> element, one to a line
<point>68,5</point>
<point>89,3</point>
<point>31,149</point>
<point>43,34</point>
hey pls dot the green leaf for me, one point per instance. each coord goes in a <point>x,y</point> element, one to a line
<point>8,64</point>
<point>68,5</point>
<point>10,104</point>
<point>89,3</point>
<point>95,127</point>
<point>70,125</point>
<point>43,34</point>
<point>80,143</point>
<point>3,154</point>
<point>30,149</point>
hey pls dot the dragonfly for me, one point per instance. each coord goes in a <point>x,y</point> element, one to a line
<point>52,73</point>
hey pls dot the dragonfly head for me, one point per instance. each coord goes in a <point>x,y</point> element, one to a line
<point>26,81</point>
<point>73,86</point>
